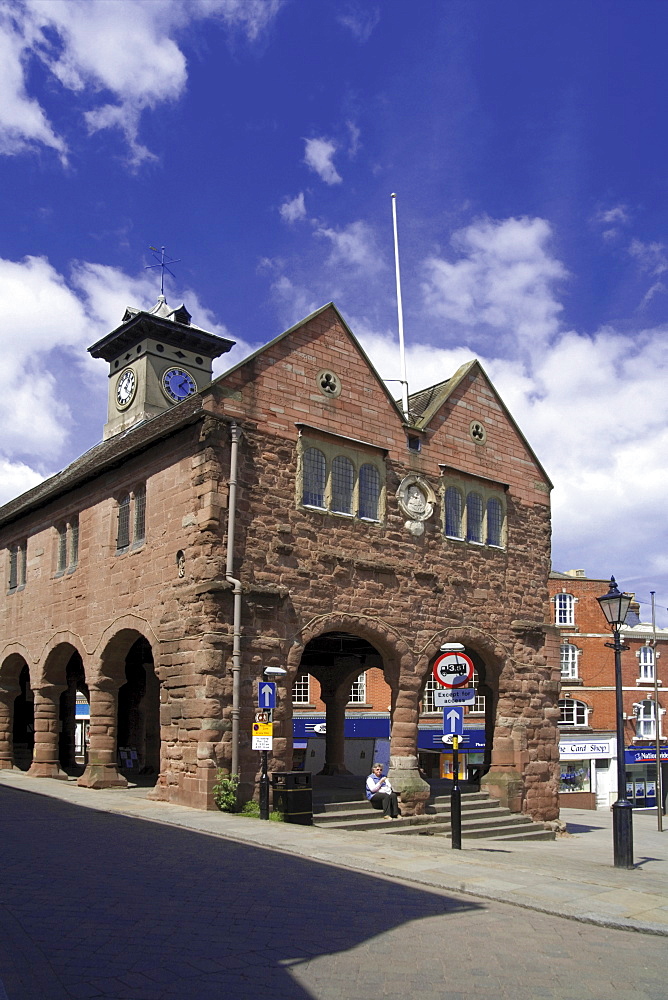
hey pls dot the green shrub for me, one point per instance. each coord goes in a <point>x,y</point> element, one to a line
<point>252,809</point>
<point>225,791</point>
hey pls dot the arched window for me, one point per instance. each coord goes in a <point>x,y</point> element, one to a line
<point>573,713</point>
<point>569,660</point>
<point>369,492</point>
<point>494,522</point>
<point>474,511</point>
<point>453,512</point>
<point>564,609</point>
<point>123,533</point>
<point>343,480</point>
<point>314,478</point>
<point>358,690</point>
<point>140,515</point>
<point>646,663</point>
<point>646,720</point>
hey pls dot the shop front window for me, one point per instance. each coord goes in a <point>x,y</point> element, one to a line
<point>575,776</point>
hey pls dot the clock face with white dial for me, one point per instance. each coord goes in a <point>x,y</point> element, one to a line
<point>126,388</point>
<point>178,384</point>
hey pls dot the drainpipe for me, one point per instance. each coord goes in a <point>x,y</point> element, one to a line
<point>235,434</point>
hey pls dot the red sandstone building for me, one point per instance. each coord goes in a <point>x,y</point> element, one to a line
<point>287,514</point>
<point>588,743</point>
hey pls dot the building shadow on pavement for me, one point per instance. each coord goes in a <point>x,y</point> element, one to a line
<point>97,905</point>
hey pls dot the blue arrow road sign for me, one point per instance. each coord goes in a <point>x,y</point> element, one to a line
<point>266,694</point>
<point>453,721</point>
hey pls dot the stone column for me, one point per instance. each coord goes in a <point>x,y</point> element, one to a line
<point>335,699</point>
<point>404,773</point>
<point>504,779</point>
<point>7,695</point>
<point>101,770</point>
<point>45,758</point>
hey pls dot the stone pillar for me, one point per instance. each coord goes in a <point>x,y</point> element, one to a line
<point>335,700</point>
<point>504,780</point>
<point>404,773</point>
<point>7,695</point>
<point>45,759</point>
<point>101,770</point>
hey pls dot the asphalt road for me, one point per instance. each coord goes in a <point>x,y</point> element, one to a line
<point>97,905</point>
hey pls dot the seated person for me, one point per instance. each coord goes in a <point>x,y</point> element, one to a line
<point>380,795</point>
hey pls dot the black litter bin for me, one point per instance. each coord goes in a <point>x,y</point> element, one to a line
<point>293,796</point>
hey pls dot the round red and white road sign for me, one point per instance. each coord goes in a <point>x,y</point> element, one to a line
<point>453,670</point>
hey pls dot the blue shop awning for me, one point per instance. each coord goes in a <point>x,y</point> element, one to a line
<point>378,728</point>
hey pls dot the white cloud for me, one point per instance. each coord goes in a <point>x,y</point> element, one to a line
<point>503,282</point>
<point>354,144</point>
<point>23,124</point>
<point>592,406</point>
<point>613,216</point>
<point>293,209</point>
<point>47,370</point>
<point>653,290</point>
<point>126,49</point>
<point>360,20</point>
<point>318,155</point>
<point>651,257</point>
<point>353,247</point>
<point>293,300</point>
<point>15,479</point>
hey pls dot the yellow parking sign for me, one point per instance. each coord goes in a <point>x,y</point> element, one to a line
<point>263,735</point>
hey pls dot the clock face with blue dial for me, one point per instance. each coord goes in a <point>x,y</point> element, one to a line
<point>178,384</point>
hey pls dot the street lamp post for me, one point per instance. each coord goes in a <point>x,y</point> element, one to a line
<point>615,607</point>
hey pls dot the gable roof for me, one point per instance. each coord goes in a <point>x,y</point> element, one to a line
<point>428,402</point>
<point>302,322</point>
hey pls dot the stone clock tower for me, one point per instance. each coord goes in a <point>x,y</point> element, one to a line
<point>156,359</point>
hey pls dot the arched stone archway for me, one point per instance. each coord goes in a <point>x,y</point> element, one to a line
<point>488,658</point>
<point>125,711</point>
<point>62,669</point>
<point>139,713</point>
<point>399,668</point>
<point>519,682</point>
<point>336,659</point>
<point>17,730</point>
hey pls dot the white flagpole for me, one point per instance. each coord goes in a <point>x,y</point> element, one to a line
<point>657,724</point>
<point>400,313</point>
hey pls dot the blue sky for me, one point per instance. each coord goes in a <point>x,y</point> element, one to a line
<point>260,140</point>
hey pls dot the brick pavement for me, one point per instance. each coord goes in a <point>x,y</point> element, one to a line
<point>96,904</point>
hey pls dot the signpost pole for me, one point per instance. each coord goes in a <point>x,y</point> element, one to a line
<point>456,799</point>
<point>264,786</point>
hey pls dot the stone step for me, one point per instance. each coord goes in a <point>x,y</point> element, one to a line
<point>482,817</point>
<point>508,828</point>
<point>355,813</point>
<point>473,800</point>
<point>472,823</point>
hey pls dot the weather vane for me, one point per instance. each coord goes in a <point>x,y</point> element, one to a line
<point>162,263</point>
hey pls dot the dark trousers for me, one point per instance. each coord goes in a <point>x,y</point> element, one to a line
<point>388,803</point>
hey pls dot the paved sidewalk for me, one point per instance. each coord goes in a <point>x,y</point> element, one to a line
<point>571,877</point>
